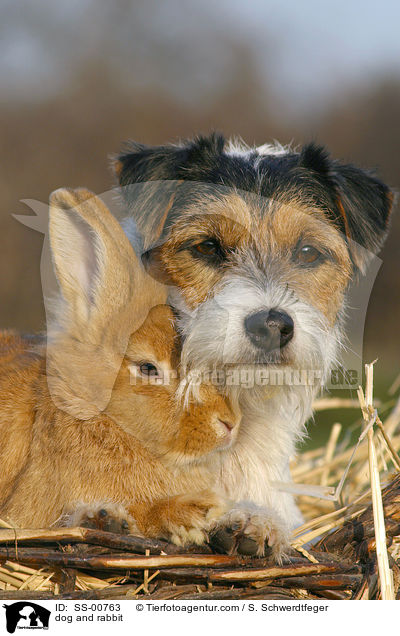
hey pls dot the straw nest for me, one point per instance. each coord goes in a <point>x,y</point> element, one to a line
<point>348,548</point>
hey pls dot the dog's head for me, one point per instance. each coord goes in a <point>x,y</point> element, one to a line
<point>258,244</point>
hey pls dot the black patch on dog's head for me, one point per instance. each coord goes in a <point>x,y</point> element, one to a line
<point>191,161</point>
<point>355,200</point>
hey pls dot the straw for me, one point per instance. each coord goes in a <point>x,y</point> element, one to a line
<point>338,487</point>
<point>385,574</point>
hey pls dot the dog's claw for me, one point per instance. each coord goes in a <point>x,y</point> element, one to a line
<point>250,533</point>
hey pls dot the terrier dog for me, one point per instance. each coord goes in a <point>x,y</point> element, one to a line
<point>258,246</point>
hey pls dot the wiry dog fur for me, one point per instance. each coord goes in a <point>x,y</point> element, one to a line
<point>234,230</point>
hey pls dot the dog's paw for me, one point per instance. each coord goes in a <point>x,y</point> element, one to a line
<point>186,519</point>
<point>110,517</point>
<point>251,532</point>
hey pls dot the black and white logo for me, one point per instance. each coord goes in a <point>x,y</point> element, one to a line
<point>26,615</point>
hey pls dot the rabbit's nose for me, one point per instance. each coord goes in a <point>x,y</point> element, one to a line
<point>225,427</point>
<point>227,423</point>
<point>228,417</point>
<point>231,415</point>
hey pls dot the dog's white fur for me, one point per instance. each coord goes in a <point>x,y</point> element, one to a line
<point>273,416</point>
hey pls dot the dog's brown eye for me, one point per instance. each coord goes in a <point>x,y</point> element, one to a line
<point>148,369</point>
<point>308,254</point>
<point>210,247</point>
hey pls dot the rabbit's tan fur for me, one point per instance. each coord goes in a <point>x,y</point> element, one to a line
<point>76,433</point>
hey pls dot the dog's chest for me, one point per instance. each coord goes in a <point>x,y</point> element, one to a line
<point>261,457</point>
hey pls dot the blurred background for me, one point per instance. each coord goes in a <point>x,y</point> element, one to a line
<point>79,78</point>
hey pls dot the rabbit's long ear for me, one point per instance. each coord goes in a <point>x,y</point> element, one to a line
<point>106,297</point>
<point>97,270</point>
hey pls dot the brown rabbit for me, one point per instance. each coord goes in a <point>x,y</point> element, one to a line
<point>91,429</point>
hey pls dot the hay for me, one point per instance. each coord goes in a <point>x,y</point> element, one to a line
<point>347,548</point>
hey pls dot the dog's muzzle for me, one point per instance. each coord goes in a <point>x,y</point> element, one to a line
<point>269,330</point>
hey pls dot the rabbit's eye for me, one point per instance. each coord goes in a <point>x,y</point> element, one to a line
<point>148,369</point>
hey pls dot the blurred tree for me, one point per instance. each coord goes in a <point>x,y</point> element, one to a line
<point>80,78</point>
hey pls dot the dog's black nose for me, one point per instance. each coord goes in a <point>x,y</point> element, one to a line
<point>269,330</point>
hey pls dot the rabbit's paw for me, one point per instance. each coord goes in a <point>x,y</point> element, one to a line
<point>251,531</point>
<point>186,519</point>
<point>107,516</point>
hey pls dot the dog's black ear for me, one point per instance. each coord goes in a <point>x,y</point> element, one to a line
<point>148,181</point>
<point>365,203</point>
<point>149,178</point>
<point>316,159</point>
<point>359,202</point>
<point>138,163</point>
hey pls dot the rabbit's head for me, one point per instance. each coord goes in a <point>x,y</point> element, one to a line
<point>146,401</point>
<point>113,347</point>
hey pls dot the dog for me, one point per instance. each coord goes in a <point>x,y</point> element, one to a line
<point>258,247</point>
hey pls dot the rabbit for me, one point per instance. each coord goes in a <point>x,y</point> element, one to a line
<point>92,430</point>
